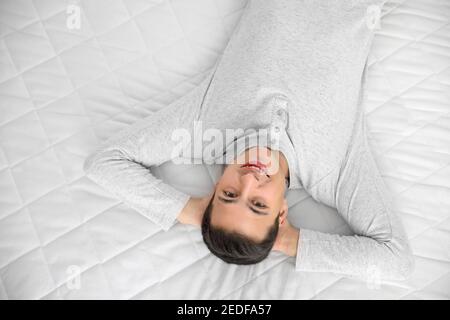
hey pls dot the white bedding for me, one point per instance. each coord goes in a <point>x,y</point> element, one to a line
<point>62,91</point>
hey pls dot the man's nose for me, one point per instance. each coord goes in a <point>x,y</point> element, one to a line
<point>250,180</point>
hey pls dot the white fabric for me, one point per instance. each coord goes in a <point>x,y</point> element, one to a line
<point>311,72</point>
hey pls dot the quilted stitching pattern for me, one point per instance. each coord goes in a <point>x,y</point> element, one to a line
<point>62,91</point>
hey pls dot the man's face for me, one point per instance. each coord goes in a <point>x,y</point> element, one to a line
<point>250,194</point>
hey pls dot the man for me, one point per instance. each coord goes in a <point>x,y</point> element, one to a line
<point>294,72</point>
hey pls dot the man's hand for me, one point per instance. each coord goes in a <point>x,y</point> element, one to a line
<point>287,239</point>
<point>192,212</point>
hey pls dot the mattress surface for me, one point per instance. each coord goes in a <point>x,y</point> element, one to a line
<point>75,72</point>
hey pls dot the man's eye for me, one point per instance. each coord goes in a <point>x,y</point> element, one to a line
<point>229,194</point>
<point>259,205</point>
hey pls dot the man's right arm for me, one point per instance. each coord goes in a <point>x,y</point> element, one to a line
<point>121,165</point>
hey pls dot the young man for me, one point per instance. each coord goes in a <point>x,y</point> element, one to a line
<point>294,72</point>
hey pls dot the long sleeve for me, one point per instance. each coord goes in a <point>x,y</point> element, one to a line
<point>379,249</point>
<point>122,163</point>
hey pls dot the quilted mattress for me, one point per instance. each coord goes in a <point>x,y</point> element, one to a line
<point>74,72</point>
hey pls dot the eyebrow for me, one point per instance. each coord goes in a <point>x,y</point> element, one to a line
<point>250,207</point>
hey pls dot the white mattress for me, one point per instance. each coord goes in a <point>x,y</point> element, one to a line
<point>62,91</point>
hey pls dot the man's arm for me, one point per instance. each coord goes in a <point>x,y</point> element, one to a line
<point>380,248</point>
<point>121,165</point>
<point>287,239</point>
<point>193,211</point>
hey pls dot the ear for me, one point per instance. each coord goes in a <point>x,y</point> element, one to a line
<point>284,211</point>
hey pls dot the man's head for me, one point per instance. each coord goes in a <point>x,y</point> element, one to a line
<point>240,224</point>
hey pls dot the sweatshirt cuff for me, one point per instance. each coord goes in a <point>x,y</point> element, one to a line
<point>175,206</point>
<point>305,242</point>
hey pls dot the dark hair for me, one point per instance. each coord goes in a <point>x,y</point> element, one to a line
<point>233,247</point>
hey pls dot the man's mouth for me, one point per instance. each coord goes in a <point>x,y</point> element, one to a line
<point>257,166</point>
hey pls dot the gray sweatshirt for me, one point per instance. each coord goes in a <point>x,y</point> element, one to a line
<point>296,68</point>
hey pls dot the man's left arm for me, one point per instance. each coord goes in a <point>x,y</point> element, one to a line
<point>380,247</point>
